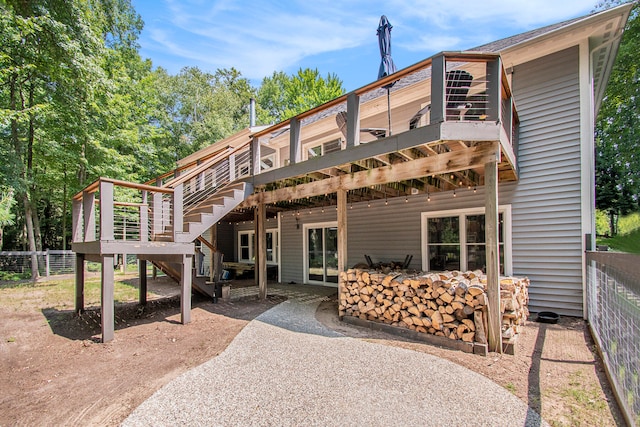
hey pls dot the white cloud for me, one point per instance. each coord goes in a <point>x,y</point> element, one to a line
<point>259,37</point>
<point>517,13</point>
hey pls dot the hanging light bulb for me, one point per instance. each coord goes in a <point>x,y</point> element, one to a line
<point>454,193</point>
<point>368,204</point>
<point>474,189</point>
<point>406,200</point>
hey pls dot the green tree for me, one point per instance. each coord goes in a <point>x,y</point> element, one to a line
<point>198,108</point>
<point>281,97</point>
<point>6,216</point>
<point>618,128</point>
<point>64,70</point>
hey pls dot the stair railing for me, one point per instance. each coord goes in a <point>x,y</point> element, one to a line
<point>204,180</point>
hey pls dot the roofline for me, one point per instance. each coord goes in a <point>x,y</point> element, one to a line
<point>624,10</point>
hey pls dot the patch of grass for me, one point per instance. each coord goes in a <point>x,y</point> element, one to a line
<point>60,293</point>
<point>584,401</point>
<point>10,276</point>
<point>629,243</point>
<point>511,388</point>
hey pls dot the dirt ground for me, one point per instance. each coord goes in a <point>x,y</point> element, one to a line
<point>54,371</point>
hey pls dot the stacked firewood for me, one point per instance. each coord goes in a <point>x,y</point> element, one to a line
<point>449,304</point>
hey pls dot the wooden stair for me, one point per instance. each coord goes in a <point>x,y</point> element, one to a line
<point>198,219</point>
<point>209,211</point>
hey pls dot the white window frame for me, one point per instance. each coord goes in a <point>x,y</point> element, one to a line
<point>310,147</point>
<point>273,157</point>
<point>305,246</point>
<point>321,145</point>
<point>505,210</point>
<point>252,235</point>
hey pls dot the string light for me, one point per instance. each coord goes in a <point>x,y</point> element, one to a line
<point>474,189</point>
<point>454,193</point>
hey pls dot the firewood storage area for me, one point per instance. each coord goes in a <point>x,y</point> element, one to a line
<point>449,309</point>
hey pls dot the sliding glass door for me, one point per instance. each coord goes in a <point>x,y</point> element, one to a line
<point>321,260</point>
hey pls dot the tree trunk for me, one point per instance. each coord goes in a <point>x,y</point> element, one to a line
<point>28,219</point>
<point>612,223</point>
<point>30,173</point>
<point>64,212</point>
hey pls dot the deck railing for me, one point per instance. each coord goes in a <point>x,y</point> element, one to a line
<point>449,87</point>
<point>111,210</point>
<point>613,311</point>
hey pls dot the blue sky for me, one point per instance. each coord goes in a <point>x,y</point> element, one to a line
<point>258,37</point>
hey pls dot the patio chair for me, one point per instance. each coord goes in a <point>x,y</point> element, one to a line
<point>407,261</point>
<point>369,262</point>
<point>457,87</point>
<point>458,84</point>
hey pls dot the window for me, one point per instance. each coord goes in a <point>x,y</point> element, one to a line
<point>268,162</point>
<point>324,148</point>
<point>314,151</point>
<point>455,240</point>
<point>247,245</point>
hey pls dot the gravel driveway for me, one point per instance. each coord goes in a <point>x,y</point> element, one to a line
<point>286,369</point>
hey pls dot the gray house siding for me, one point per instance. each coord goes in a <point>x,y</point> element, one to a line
<point>547,241</point>
<point>385,232</point>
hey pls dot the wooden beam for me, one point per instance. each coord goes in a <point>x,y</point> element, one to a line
<point>438,83</point>
<point>342,230</point>
<point>474,156</point>
<point>437,132</point>
<point>185,289</point>
<point>353,120</point>
<point>295,144</point>
<point>342,235</point>
<point>494,79</point>
<point>493,255</point>
<point>106,298</point>
<point>106,210</point>
<point>89,208</point>
<point>142,272</point>
<point>79,283</point>
<point>261,237</point>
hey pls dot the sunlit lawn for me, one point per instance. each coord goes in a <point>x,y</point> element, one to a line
<point>629,243</point>
<point>60,293</point>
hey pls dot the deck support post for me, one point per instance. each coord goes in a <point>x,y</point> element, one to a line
<point>79,283</point>
<point>142,269</point>
<point>342,231</point>
<point>438,83</point>
<point>353,120</point>
<point>106,298</point>
<point>185,289</point>
<point>261,246</point>
<point>295,148</point>
<point>493,255</point>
